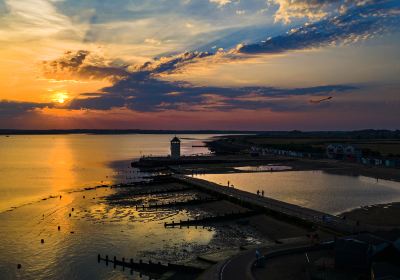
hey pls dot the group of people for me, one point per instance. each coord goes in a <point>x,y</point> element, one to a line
<point>262,192</point>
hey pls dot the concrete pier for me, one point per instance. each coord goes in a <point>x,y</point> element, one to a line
<point>301,214</point>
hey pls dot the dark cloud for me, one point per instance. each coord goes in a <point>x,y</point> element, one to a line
<point>10,109</point>
<point>357,23</point>
<point>143,92</point>
<point>82,64</point>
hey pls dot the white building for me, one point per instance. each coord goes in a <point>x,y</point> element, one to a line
<point>175,148</point>
<point>343,151</point>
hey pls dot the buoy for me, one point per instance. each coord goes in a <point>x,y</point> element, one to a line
<point>83,196</point>
<point>59,227</point>
<point>42,241</point>
<point>19,266</point>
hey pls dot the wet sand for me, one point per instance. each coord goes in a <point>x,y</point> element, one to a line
<point>383,216</point>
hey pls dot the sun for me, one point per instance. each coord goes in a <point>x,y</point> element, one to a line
<point>60,97</point>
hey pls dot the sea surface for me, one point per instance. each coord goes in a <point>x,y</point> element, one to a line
<point>41,188</point>
<point>36,166</point>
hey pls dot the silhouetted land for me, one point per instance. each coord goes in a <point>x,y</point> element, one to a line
<point>117,131</point>
<point>357,134</point>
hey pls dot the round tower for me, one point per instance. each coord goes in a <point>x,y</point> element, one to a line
<point>175,148</point>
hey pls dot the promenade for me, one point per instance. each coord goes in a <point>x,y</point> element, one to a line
<point>302,214</point>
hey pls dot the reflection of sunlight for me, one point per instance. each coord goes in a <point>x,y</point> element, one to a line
<point>62,162</point>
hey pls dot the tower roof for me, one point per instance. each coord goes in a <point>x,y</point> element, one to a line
<point>175,139</point>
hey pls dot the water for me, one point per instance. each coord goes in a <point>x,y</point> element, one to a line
<point>33,167</point>
<point>261,168</point>
<point>314,189</point>
<point>36,170</point>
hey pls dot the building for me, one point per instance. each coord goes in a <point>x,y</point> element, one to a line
<point>378,252</point>
<point>175,148</point>
<point>343,152</point>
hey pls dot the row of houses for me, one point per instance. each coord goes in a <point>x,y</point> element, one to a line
<point>257,151</point>
<point>388,162</point>
<point>333,151</point>
<point>353,153</point>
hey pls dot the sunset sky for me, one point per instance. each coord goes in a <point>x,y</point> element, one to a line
<point>200,64</point>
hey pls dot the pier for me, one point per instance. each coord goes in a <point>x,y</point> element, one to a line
<point>278,208</point>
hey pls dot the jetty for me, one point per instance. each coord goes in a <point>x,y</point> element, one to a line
<point>298,214</point>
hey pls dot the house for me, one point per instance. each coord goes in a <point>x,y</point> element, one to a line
<point>343,152</point>
<point>362,251</point>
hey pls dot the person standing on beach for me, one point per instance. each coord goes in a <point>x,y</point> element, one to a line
<point>262,193</point>
<point>258,192</point>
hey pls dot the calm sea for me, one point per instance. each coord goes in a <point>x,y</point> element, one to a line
<point>33,167</point>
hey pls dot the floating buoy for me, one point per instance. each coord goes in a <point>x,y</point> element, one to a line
<point>19,266</point>
<point>83,196</point>
<point>59,227</point>
<point>42,241</point>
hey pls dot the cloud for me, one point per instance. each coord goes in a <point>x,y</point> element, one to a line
<point>11,109</point>
<point>32,19</point>
<point>314,9</point>
<point>221,2</point>
<point>143,91</point>
<point>83,65</point>
<point>358,23</point>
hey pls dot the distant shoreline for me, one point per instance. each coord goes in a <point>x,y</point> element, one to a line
<point>357,134</point>
<point>118,131</point>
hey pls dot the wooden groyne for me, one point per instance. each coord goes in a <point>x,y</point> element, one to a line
<point>161,191</point>
<point>196,201</point>
<point>149,266</point>
<point>213,219</point>
<point>296,213</point>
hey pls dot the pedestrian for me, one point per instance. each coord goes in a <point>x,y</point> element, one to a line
<point>262,193</point>
<point>228,184</point>
<point>258,192</point>
<point>258,256</point>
